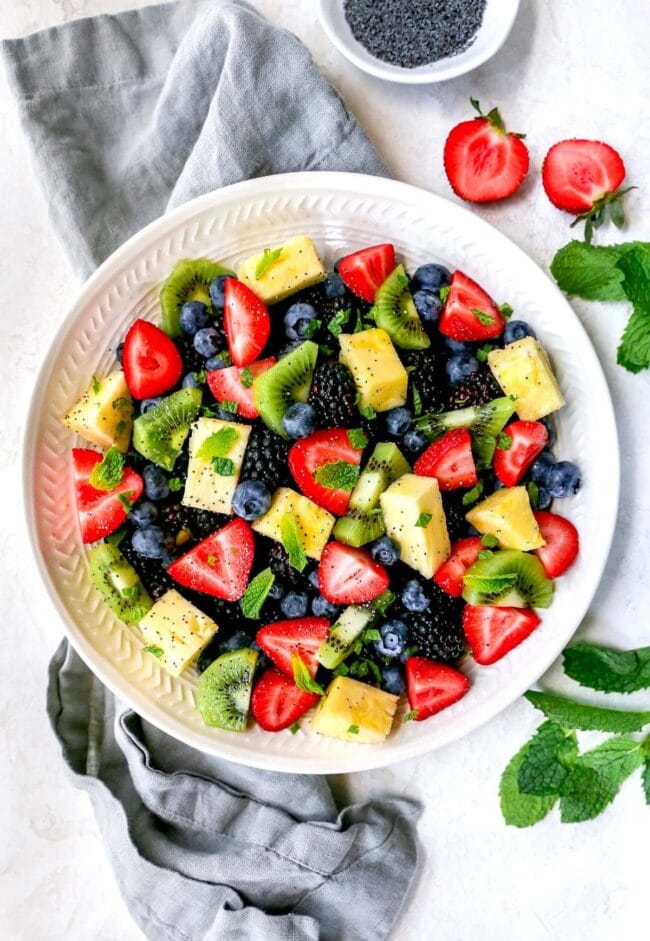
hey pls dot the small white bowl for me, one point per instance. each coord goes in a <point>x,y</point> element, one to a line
<point>497,22</point>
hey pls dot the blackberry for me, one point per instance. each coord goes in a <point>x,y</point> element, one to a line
<point>333,396</point>
<point>152,574</point>
<point>278,561</point>
<point>455,511</point>
<point>266,458</point>
<point>427,378</point>
<point>175,518</point>
<point>438,632</point>
<point>477,389</point>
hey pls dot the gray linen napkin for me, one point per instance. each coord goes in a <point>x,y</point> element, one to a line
<point>127,116</point>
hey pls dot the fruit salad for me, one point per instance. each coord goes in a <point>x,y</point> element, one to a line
<point>324,490</point>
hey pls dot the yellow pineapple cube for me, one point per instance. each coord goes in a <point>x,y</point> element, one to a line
<point>415,519</point>
<point>355,712</point>
<point>523,371</point>
<point>378,373</point>
<point>508,516</point>
<point>296,266</point>
<point>104,413</point>
<point>176,631</point>
<point>206,489</point>
<point>314,524</point>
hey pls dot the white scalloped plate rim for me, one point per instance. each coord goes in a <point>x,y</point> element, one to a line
<point>342,211</point>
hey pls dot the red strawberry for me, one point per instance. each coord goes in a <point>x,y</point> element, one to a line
<point>493,632</point>
<point>350,576</point>
<point>100,511</point>
<point>277,702</point>
<point>483,161</point>
<point>431,687</point>
<point>151,362</point>
<point>463,553</point>
<point>363,272</point>
<point>527,440</point>
<point>227,385</point>
<point>562,543</point>
<point>303,636</point>
<point>331,446</point>
<point>449,460</point>
<point>246,322</point>
<point>219,565</point>
<point>469,313</point>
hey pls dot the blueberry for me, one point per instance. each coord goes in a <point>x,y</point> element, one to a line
<point>460,366</point>
<point>398,421</point>
<point>294,604</point>
<point>544,499</point>
<point>454,346</point>
<point>216,362</point>
<point>432,277</point>
<point>517,330</point>
<point>428,305</point>
<point>414,441</point>
<point>550,427</point>
<point>147,404</point>
<point>541,466</point>
<point>299,420</point>
<point>191,381</point>
<point>251,499</point>
<point>149,542</point>
<point>563,479</point>
<point>312,578</point>
<point>235,642</point>
<point>276,591</point>
<point>414,598</point>
<point>119,350</point>
<point>217,288</point>
<point>143,514</point>
<point>297,320</point>
<point>322,608</point>
<point>384,551</point>
<point>207,342</point>
<point>394,635</point>
<point>392,680</point>
<point>155,483</point>
<point>194,315</point>
<point>334,286</point>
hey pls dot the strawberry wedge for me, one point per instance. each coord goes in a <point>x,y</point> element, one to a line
<point>235,384</point>
<point>219,565</point>
<point>302,636</point>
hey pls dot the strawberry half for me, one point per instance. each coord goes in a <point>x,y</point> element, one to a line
<point>100,511</point>
<point>303,636</point>
<point>527,439</point>
<point>464,553</point>
<point>493,632</point>
<point>469,313</point>
<point>431,687</point>
<point>246,322</point>
<point>228,385</point>
<point>365,271</point>
<point>277,702</point>
<point>219,565</point>
<point>562,543</point>
<point>483,161</point>
<point>150,360</point>
<point>449,460</point>
<point>309,455</point>
<point>350,576</point>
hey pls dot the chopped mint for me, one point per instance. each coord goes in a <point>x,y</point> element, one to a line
<point>359,325</point>
<point>326,350</point>
<point>483,317</point>
<point>246,377</point>
<point>506,311</point>
<point>353,729</point>
<point>444,292</point>
<point>302,677</point>
<point>294,727</point>
<point>338,321</point>
<point>472,495</point>
<point>533,493</point>
<point>201,376</point>
<point>107,473</point>
<point>411,368</point>
<point>370,634</point>
<point>211,560</point>
<point>606,669</point>
<point>174,484</point>
<point>223,466</point>
<point>504,441</point>
<point>341,670</point>
<point>269,256</point>
<point>120,427</point>
<point>217,444</point>
<point>337,475</point>
<point>153,649</point>
<point>256,594</point>
<point>489,541</point>
<point>366,410</point>
<point>417,401</point>
<point>410,715</point>
<point>126,499</point>
<point>292,543</point>
<point>116,538</point>
<point>357,438</point>
<point>96,385</point>
<point>121,403</point>
<point>230,406</point>
<point>483,352</point>
<point>383,602</point>
<point>424,519</point>
<point>313,326</point>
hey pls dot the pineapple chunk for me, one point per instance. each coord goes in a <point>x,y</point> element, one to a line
<point>523,371</point>
<point>178,629</point>
<point>297,266</point>
<point>507,515</point>
<point>410,501</point>
<point>380,377</point>
<point>354,712</point>
<point>313,522</point>
<point>104,413</point>
<point>205,489</point>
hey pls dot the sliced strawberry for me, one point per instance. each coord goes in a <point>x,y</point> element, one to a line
<point>449,460</point>
<point>582,176</point>
<point>493,632</point>
<point>350,576</point>
<point>100,511</point>
<point>307,455</point>
<point>303,636</point>
<point>483,161</point>
<point>517,447</point>
<point>463,553</point>
<point>431,687</point>
<point>363,272</point>
<point>227,385</point>
<point>151,362</point>
<point>219,565</point>
<point>562,543</point>
<point>246,322</point>
<point>469,313</point>
<point>277,702</point>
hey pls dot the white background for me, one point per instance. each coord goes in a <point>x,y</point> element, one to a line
<point>578,68</point>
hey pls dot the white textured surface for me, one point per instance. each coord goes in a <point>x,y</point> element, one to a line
<point>567,69</point>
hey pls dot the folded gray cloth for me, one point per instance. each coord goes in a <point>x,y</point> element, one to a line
<point>129,115</point>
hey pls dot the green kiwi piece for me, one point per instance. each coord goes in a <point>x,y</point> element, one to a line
<point>287,382</point>
<point>508,578</point>
<point>224,690</point>
<point>484,421</point>
<point>364,521</point>
<point>189,280</point>
<point>396,314</point>
<point>343,633</point>
<point>118,583</point>
<point>160,433</point>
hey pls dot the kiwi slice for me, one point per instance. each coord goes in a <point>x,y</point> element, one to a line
<point>286,382</point>
<point>364,520</point>
<point>396,314</point>
<point>343,634</point>
<point>118,583</point>
<point>224,691</point>
<point>189,280</point>
<point>160,433</point>
<point>484,421</point>
<point>508,578</point>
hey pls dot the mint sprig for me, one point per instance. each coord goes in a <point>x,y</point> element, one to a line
<point>217,444</point>
<point>577,715</point>
<point>606,669</point>
<point>337,475</point>
<point>302,677</point>
<point>292,542</point>
<point>256,594</point>
<point>107,474</point>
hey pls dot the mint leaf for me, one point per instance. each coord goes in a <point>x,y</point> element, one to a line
<point>410,715</point>
<point>533,493</point>
<point>302,677</point>
<point>246,377</point>
<point>357,438</point>
<point>645,778</point>
<point>338,321</point>
<point>489,541</point>
<point>596,778</point>
<point>504,441</point>
<point>223,466</point>
<point>550,755</point>
<point>423,520</point>
<point>126,499</point>
<point>108,473</point>
<point>521,810</point>
<point>96,385</point>
<point>353,729</point>
<point>444,292</point>
<point>634,349</point>
<point>591,271</point>
<point>483,317</point>
<point>292,543</point>
<point>217,444</point>
<point>267,259</point>
<point>337,475</point>
<point>483,352</point>
<point>606,669</point>
<point>153,649</point>
<point>506,311</point>
<point>575,715</point>
<point>294,727</point>
<point>417,401</point>
<point>472,495</point>
<point>367,411</point>
<point>174,484</point>
<point>229,406</point>
<point>256,593</point>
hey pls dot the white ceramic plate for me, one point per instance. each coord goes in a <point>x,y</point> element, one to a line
<point>342,212</point>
